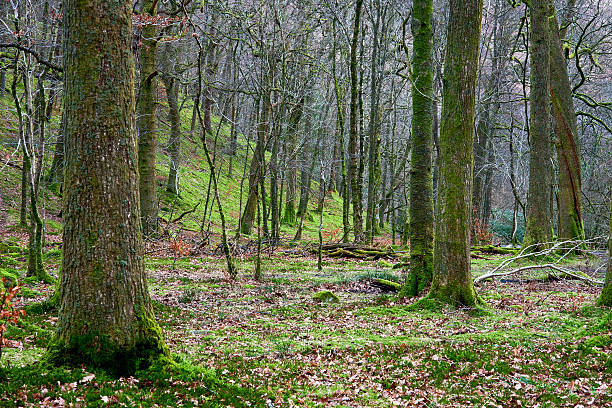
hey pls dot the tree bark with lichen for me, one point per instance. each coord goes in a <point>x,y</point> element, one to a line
<point>147,136</point>
<point>452,278</point>
<point>566,139</point>
<point>421,182</point>
<point>106,318</point>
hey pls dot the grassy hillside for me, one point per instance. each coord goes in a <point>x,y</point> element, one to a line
<point>194,179</point>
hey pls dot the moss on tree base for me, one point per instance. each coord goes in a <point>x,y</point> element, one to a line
<point>101,351</point>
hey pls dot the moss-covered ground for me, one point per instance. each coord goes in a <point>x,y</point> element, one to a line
<point>269,343</point>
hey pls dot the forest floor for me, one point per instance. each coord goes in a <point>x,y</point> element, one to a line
<point>268,343</point>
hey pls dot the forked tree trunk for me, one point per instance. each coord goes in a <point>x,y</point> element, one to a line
<point>106,318</point>
<point>452,278</point>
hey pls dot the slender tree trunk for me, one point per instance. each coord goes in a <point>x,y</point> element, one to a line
<point>174,141</point>
<point>274,212</point>
<point>354,129</point>
<point>539,219</point>
<point>452,278</point>
<point>106,318</point>
<point>256,172</point>
<point>145,121</point>
<point>56,172</point>
<point>340,140</point>
<point>374,130</point>
<point>292,154</point>
<point>566,140</point>
<point>421,185</point>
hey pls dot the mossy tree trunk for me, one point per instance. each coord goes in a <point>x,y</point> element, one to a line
<point>174,141</point>
<point>452,279</point>
<point>374,125</point>
<point>353,152</point>
<point>605,298</point>
<point>346,226</point>
<point>421,183</point>
<point>145,114</point>
<point>292,147</point>
<point>538,229</point>
<point>105,318</point>
<point>566,139</point>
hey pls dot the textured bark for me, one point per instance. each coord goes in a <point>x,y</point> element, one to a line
<point>566,140</point>
<point>353,129</point>
<point>421,183</point>
<point>147,137</point>
<point>605,298</point>
<point>174,142</point>
<point>106,318</point>
<point>452,279</point>
<point>374,131</point>
<point>539,223</point>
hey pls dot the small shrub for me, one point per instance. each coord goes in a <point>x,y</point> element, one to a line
<point>8,312</point>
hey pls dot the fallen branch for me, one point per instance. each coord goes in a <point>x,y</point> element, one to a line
<point>180,217</point>
<point>530,267</point>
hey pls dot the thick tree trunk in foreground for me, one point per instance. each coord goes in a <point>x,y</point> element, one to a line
<point>147,137</point>
<point>566,140</point>
<point>106,318</point>
<point>538,228</point>
<point>421,183</point>
<point>452,278</point>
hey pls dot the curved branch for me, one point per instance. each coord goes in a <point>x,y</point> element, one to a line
<point>33,53</point>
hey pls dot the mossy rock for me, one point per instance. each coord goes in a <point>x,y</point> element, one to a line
<point>10,275</point>
<point>325,296</point>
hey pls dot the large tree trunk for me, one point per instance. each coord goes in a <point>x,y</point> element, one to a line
<point>539,220</point>
<point>452,278</point>
<point>106,318</point>
<point>174,142</point>
<point>147,137</point>
<point>421,184</point>
<point>566,140</point>
<point>354,130</point>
